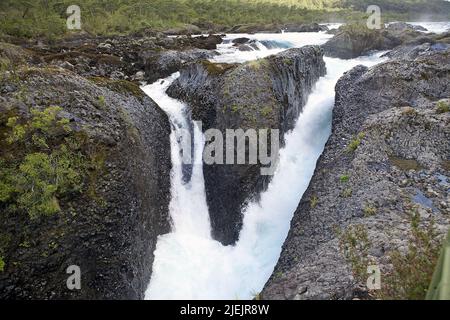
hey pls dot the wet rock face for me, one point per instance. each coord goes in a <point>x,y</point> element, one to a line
<point>111,232</point>
<point>265,94</point>
<point>386,160</point>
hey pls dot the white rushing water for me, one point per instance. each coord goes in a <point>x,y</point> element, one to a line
<point>188,263</point>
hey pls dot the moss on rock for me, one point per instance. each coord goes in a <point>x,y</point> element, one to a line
<point>120,86</point>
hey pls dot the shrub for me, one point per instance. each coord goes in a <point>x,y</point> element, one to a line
<point>47,163</point>
<point>369,210</point>
<point>354,244</point>
<point>413,270</point>
<point>355,143</point>
<point>344,178</point>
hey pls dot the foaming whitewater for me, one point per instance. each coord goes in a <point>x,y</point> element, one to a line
<point>188,263</point>
<point>188,208</point>
<point>267,44</point>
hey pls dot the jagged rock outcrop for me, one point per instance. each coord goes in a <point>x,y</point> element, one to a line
<point>110,225</point>
<point>160,65</point>
<point>132,58</point>
<point>265,94</point>
<point>355,40</point>
<point>386,161</point>
<point>403,26</point>
<point>421,45</point>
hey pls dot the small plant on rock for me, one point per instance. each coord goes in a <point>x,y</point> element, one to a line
<point>356,142</point>
<point>443,107</point>
<point>314,202</point>
<point>354,244</point>
<point>369,210</point>
<point>347,193</point>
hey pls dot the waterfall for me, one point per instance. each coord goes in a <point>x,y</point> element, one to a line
<point>188,208</point>
<point>188,263</point>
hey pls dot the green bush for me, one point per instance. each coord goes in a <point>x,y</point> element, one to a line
<point>48,164</point>
<point>413,270</point>
<point>47,18</point>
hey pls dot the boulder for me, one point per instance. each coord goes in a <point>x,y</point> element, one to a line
<point>108,227</point>
<point>355,40</point>
<point>208,43</point>
<point>312,27</point>
<point>239,41</point>
<point>403,26</point>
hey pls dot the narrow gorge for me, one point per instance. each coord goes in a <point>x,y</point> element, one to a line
<point>102,128</point>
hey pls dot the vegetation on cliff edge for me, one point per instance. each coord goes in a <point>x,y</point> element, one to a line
<point>41,162</point>
<point>47,18</point>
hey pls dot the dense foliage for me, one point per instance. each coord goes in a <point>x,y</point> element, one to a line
<point>47,18</point>
<point>47,163</point>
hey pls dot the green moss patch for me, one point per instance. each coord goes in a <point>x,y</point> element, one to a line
<point>120,86</point>
<point>442,107</point>
<point>217,68</point>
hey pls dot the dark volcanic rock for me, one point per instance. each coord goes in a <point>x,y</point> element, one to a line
<point>111,231</point>
<point>352,41</point>
<point>313,27</point>
<point>403,26</point>
<point>208,43</point>
<point>400,146</point>
<point>268,93</point>
<point>420,46</point>
<point>159,65</point>
<point>123,57</point>
<point>238,41</point>
<point>413,51</point>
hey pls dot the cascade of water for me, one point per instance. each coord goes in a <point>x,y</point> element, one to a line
<point>188,263</point>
